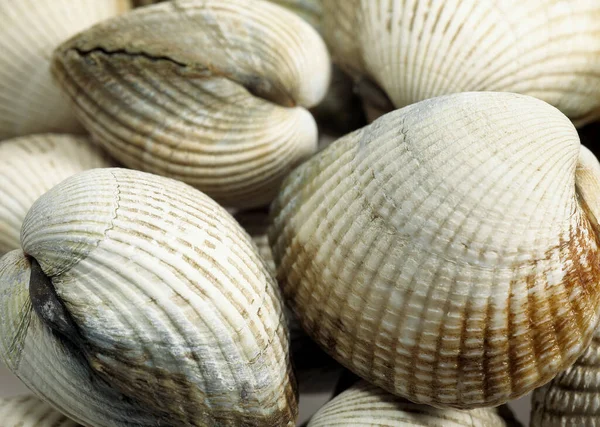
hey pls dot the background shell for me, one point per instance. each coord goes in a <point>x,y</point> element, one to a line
<point>29,411</point>
<point>414,50</point>
<point>207,92</point>
<point>367,405</point>
<point>177,318</point>
<point>30,30</point>
<point>31,166</point>
<point>443,252</point>
<point>573,397</point>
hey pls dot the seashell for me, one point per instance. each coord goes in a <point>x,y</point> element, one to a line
<point>32,165</point>
<point>30,101</point>
<point>572,398</point>
<point>448,251</point>
<point>152,308</point>
<point>366,405</point>
<point>420,49</point>
<point>29,411</point>
<point>207,92</point>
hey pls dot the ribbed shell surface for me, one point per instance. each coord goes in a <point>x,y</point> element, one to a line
<point>32,165</point>
<point>29,411</point>
<point>419,49</point>
<point>365,405</point>
<point>30,101</point>
<point>443,252</point>
<point>573,397</point>
<point>179,322</point>
<point>211,93</point>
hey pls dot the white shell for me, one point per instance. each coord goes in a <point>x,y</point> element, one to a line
<point>419,49</point>
<point>447,252</point>
<point>32,165</point>
<point>365,405</point>
<point>208,92</point>
<point>29,411</point>
<point>30,101</point>
<point>176,319</point>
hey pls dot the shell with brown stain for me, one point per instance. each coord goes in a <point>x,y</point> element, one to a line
<point>29,411</point>
<point>32,165</point>
<point>572,398</point>
<point>208,92</point>
<point>137,300</point>
<point>365,405</point>
<point>448,252</point>
<point>30,101</point>
<point>415,50</point>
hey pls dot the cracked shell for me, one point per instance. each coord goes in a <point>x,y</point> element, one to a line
<point>208,92</point>
<point>140,301</point>
<point>448,252</point>
<point>365,405</point>
<point>30,101</point>
<point>414,50</point>
<point>32,165</point>
<point>29,411</point>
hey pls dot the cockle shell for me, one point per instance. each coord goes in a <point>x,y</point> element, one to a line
<point>414,50</point>
<point>29,411</point>
<point>448,251</point>
<point>30,101</point>
<point>366,405</point>
<point>140,301</point>
<point>32,165</point>
<point>208,92</point>
<point>573,397</point>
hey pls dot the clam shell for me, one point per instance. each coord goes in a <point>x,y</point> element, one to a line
<point>30,101</point>
<point>367,405</point>
<point>32,165</point>
<point>211,93</point>
<point>418,49</point>
<point>448,251</point>
<point>29,411</point>
<point>140,301</point>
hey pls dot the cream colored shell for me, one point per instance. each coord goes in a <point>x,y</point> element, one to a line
<point>169,316</point>
<point>365,405</point>
<point>419,49</point>
<point>30,101</point>
<point>211,93</point>
<point>448,251</point>
<point>29,411</point>
<point>32,165</point>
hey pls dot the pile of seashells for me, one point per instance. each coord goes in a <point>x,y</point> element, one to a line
<point>181,241</point>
